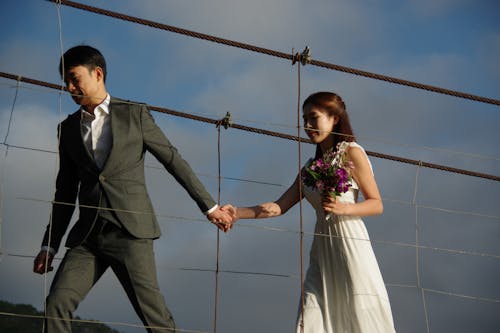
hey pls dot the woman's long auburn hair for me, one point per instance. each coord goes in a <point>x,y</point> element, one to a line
<point>334,106</point>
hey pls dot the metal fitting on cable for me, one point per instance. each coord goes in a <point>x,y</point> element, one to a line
<point>226,121</point>
<point>304,57</point>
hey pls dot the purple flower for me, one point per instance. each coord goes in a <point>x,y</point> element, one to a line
<point>342,173</point>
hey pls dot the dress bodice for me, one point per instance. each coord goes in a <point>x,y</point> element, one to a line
<point>313,196</point>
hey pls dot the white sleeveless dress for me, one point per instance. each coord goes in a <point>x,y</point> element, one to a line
<point>344,289</point>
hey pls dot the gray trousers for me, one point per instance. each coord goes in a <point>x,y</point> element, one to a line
<point>132,261</point>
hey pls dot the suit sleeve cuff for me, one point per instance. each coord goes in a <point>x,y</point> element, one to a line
<point>211,210</point>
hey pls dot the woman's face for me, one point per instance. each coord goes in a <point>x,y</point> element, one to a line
<point>318,123</point>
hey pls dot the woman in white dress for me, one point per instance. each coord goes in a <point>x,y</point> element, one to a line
<point>344,289</point>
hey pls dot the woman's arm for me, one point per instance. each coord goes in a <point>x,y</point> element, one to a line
<point>363,175</point>
<point>269,209</point>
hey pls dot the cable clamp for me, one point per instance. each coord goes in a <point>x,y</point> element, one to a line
<point>226,121</point>
<point>304,57</point>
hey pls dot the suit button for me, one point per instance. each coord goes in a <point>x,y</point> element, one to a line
<point>102,178</point>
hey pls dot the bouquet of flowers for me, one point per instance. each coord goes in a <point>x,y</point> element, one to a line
<point>330,174</point>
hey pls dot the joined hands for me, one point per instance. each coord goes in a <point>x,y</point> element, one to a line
<point>224,217</point>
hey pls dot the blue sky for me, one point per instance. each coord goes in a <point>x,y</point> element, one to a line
<point>452,44</point>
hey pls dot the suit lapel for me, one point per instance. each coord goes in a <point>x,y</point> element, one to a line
<point>119,128</point>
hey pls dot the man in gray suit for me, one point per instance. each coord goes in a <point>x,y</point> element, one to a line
<point>101,161</point>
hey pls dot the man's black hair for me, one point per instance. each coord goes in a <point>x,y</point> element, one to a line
<point>82,55</point>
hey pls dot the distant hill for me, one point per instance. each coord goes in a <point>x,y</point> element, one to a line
<point>15,324</point>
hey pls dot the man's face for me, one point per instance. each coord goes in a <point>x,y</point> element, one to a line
<point>84,84</point>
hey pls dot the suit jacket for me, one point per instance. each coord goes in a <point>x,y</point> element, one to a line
<point>121,179</point>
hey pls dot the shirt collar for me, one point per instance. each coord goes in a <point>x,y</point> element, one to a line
<point>104,106</point>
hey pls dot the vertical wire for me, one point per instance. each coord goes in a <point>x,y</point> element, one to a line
<point>417,247</point>
<point>18,84</point>
<point>216,300</point>
<point>45,278</point>
<point>4,162</point>
<point>301,225</point>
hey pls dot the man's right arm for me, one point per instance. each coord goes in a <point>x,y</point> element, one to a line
<point>63,206</point>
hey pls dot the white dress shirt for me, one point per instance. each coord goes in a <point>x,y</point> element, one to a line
<point>96,129</point>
